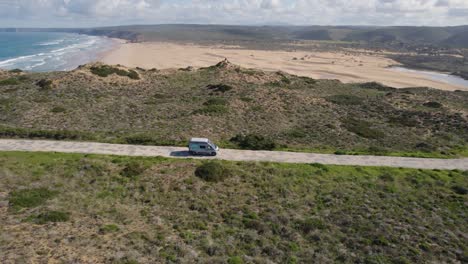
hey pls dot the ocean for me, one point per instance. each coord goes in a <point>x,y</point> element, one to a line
<point>48,51</point>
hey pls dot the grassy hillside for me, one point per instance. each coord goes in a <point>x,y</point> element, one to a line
<point>96,209</point>
<point>225,103</point>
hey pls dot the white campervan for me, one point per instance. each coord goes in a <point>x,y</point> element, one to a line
<point>202,146</point>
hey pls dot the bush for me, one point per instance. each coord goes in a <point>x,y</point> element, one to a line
<point>212,171</point>
<point>254,142</point>
<point>309,225</point>
<point>219,87</point>
<point>235,260</point>
<point>45,84</point>
<point>425,147</point>
<point>296,133</point>
<point>133,75</point>
<point>109,229</point>
<point>460,190</point>
<point>376,86</point>
<point>29,198</point>
<point>362,128</point>
<point>50,216</point>
<point>47,134</point>
<point>58,109</point>
<point>16,71</point>
<point>345,99</point>
<point>212,109</point>
<point>132,170</point>
<point>106,70</point>
<point>433,104</point>
<point>216,101</point>
<point>9,81</point>
<point>308,80</point>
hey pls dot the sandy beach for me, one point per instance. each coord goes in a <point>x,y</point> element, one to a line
<point>347,67</point>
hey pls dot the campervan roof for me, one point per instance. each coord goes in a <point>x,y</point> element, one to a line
<point>200,140</point>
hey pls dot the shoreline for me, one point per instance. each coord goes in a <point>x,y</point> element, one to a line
<point>58,52</point>
<point>348,67</point>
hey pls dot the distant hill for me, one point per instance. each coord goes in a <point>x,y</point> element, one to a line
<point>458,40</point>
<point>452,37</point>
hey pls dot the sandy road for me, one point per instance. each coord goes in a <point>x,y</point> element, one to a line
<point>229,154</point>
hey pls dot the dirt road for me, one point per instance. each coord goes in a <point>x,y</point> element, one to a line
<point>229,154</point>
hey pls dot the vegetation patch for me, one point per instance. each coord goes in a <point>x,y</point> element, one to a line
<point>254,142</point>
<point>132,170</point>
<point>106,70</point>
<point>433,104</point>
<point>29,198</point>
<point>216,101</point>
<point>9,81</point>
<point>11,132</point>
<point>16,71</point>
<point>222,88</point>
<point>148,139</point>
<point>212,110</point>
<point>110,228</point>
<point>376,86</point>
<point>49,217</point>
<point>58,109</point>
<point>345,99</point>
<point>212,171</point>
<point>45,84</point>
<point>362,128</point>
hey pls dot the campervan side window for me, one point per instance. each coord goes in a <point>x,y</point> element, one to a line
<point>202,147</point>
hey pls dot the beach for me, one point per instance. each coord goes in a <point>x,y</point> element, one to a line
<point>346,66</point>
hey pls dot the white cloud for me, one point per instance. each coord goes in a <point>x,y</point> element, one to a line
<point>114,12</point>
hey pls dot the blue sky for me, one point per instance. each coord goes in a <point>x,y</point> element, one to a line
<point>88,13</point>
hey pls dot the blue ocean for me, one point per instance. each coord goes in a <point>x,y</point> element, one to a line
<point>47,51</point>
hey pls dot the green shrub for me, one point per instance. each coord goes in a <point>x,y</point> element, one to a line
<point>235,260</point>
<point>29,198</point>
<point>433,104</point>
<point>216,101</point>
<point>345,99</point>
<point>16,71</point>
<point>212,109</point>
<point>308,80</point>
<point>308,225</point>
<point>460,190</point>
<point>111,228</point>
<point>362,128</point>
<point>425,147</point>
<point>9,81</point>
<point>45,84</point>
<point>133,75</point>
<point>132,170</point>
<point>376,86</point>
<point>219,87</point>
<point>254,142</point>
<point>212,171</point>
<point>296,133</point>
<point>49,217</point>
<point>47,134</point>
<point>58,109</point>
<point>106,70</point>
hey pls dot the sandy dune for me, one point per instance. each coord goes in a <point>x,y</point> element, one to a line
<point>345,66</point>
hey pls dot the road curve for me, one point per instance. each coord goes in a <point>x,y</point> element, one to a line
<point>230,154</point>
